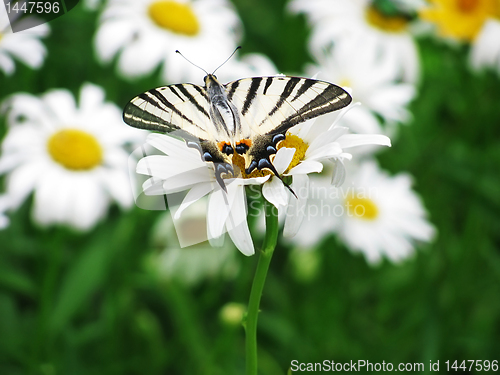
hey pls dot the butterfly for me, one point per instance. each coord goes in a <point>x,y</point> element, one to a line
<point>249,116</point>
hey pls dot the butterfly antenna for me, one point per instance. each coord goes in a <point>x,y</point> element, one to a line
<point>236,49</point>
<point>185,58</point>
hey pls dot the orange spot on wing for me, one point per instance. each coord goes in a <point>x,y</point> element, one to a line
<point>221,145</point>
<point>247,142</point>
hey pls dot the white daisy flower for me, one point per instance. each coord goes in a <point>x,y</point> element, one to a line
<point>189,265</point>
<point>24,46</point>
<point>146,33</point>
<point>302,152</point>
<point>71,157</point>
<point>373,213</point>
<point>362,24</point>
<point>383,215</point>
<point>373,83</point>
<point>4,206</point>
<point>181,169</point>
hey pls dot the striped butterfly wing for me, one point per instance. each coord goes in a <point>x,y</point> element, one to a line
<point>272,105</point>
<point>269,106</point>
<point>182,107</point>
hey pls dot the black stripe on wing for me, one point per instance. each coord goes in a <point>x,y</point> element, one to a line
<point>332,98</point>
<point>287,91</point>
<point>150,109</point>
<point>327,98</point>
<point>252,92</point>
<point>191,98</point>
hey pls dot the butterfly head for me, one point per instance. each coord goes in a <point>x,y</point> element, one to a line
<point>210,80</point>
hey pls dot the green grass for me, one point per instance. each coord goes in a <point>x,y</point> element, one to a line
<point>84,304</point>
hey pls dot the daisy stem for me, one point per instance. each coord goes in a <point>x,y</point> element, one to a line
<point>259,280</point>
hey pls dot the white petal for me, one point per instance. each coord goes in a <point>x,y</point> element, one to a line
<point>306,167</point>
<point>118,186</point>
<point>237,225</point>
<point>61,105</point>
<point>193,195</point>
<point>91,97</point>
<point>7,64</point>
<point>53,197</point>
<point>283,159</point>
<point>165,167</point>
<point>327,137</point>
<point>29,51</point>
<point>23,179</point>
<point>186,181</point>
<point>296,209</point>
<point>327,151</point>
<point>218,211</point>
<point>173,146</point>
<point>275,192</point>
<point>89,204</point>
<point>352,140</point>
<point>140,56</point>
<point>338,176</point>
<point>112,36</point>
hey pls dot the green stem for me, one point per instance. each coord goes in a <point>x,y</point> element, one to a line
<point>257,287</point>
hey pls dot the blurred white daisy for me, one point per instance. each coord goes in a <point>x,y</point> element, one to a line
<point>373,83</point>
<point>382,215</point>
<point>476,22</point>
<point>4,206</point>
<point>72,158</point>
<point>362,24</point>
<point>182,169</point>
<point>302,152</point>
<point>146,34</point>
<point>373,213</point>
<point>196,263</point>
<point>24,46</point>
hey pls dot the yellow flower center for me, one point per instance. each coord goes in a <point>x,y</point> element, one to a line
<point>387,23</point>
<point>292,141</point>
<point>239,168</point>
<point>174,16</point>
<point>363,208</point>
<point>75,149</point>
<point>345,82</point>
<point>461,19</point>
<point>467,6</point>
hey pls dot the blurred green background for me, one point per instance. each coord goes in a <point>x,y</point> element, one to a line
<point>74,303</point>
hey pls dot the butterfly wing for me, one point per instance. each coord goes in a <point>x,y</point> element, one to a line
<point>269,106</point>
<point>182,109</point>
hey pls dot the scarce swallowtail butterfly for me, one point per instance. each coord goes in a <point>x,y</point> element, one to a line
<point>249,116</point>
